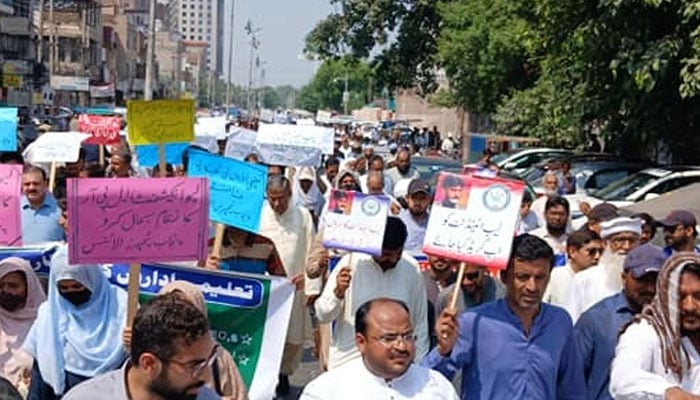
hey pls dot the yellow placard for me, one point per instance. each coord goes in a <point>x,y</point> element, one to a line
<point>160,121</point>
<point>11,81</point>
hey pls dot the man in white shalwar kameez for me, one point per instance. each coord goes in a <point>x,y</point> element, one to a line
<point>292,231</point>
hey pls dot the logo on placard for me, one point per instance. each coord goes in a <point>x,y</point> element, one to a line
<point>496,197</point>
<point>370,206</point>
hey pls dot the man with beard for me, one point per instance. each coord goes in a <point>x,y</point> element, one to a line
<point>550,182</point>
<point>361,277</point>
<point>452,187</point>
<point>416,216</point>
<point>40,213</point>
<point>386,341</point>
<point>325,181</point>
<point>516,347</point>
<point>171,354</point>
<point>680,232</point>
<point>605,279</point>
<point>657,354</point>
<point>597,330</point>
<point>583,250</point>
<point>478,287</point>
<point>403,168</point>
<point>439,279</point>
<point>556,215</point>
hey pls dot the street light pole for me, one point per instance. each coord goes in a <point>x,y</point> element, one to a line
<point>346,96</point>
<point>230,59</point>
<point>150,52</point>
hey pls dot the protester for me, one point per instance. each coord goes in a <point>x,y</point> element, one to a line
<point>597,215</point>
<point>77,333</point>
<point>527,219</point>
<point>225,379</point>
<point>439,277</point>
<point>376,163</point>
<point>415,217</point>
<point>40,213</point>
<point>291,229</point>
<point>556,216</point>
<point>171,354</point>
<point>360,277</point>
<point>657,354</point>
<point>605,279</point>
<point>306,193</point>
<point>20,296</point>
<point>347,180</point>
<point>246,252</point>
<point>567,180</point>
<point>477,288</point>
<point>517,347</point>
<point>597,330</point>
<point>120,165</point>
<point>374,183</point>
<point>648,227</point>
<point>680,232</point>
<point>549,185</point>
<point>403,168</point>
<point>385,340</point>
<point>169,171</point>
<point>330,171</point>
<point>583,250</point>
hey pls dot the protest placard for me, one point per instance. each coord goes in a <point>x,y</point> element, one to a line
<point>473,219</point>
<point>38,256</point>
<point>10,193</point>
<point>354,221</point>
<point>160,121</point>
<point>138,220</point>
<point>248,315</point>
<point>242,142</point>
<point>237,188</point>
<point>8,129</point>
<point>102,129</point>
<point>148,156</point>
<point>55,147</point>
<point>211,126</point>
<point>316,137</point>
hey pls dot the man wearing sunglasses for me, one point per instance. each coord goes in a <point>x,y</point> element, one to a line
<point>478,287</point>
<point>583,250</point>
<point>597,330</point>
<point>680,232</point>
<point>172,352</point>
<point>386,341</point>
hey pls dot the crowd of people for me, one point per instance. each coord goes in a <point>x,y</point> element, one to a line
<point>592,312</point>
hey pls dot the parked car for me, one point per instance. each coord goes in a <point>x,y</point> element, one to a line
<point>643,185</point>
<point>518,160</point>
<point>428,167</point>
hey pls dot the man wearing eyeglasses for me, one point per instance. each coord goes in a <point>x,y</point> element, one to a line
<point>386,341</point>
<point>172,352</point>
<point>588,287</point>
<point>583,250</point>
<point>680,232</point>
<point>478,287</point>
<point>597,330</point>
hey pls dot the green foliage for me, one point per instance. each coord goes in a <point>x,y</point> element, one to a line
<point>325,91</point>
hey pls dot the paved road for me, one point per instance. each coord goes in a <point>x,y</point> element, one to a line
<point>305,374</point>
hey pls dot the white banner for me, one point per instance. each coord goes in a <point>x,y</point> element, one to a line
<point>55,146</point>
<point>316,137</point>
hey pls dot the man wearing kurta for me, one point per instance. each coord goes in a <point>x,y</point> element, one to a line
<point>291,229</point>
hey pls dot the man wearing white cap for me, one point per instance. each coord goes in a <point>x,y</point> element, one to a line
<point>605,279</point>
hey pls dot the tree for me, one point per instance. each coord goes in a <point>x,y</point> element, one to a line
<point>325,91</point>
<point>398,37</point>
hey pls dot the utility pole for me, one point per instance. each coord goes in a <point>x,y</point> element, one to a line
<point>346,96</point>
<point>52,40</point>
<point>253,47</point>
<point>150,52</point>
<point>230,58</point>
<point>40,46</point>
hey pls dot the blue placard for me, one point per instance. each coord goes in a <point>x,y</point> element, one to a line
<point>8,129</point>
<point>217,287</point>
<point>38,256</point>
<point>148,154</point>
<point>237,188</point>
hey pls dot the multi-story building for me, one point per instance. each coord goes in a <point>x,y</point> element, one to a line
<point>16,53</point>
<point>199,21</point>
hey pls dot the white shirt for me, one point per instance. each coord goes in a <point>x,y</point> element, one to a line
<point>388,185</point>
<point>354,381</point>
<point>557,292</point>
<point>589,287</point>
<point>403,282</point>
<point>638,370</point>
<point>558,244</point>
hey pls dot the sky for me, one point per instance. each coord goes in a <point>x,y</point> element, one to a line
<point>283,26</point>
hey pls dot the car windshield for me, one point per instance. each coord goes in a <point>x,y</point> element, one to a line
<point>619,190</point>
<point>497,158</point>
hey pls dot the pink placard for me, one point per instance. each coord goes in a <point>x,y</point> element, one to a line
<point>133,220</point>
<point>104,130</point>
<point>10,218</point>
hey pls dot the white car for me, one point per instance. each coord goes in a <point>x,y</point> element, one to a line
<point>519,160</point>
<point>643,185</point>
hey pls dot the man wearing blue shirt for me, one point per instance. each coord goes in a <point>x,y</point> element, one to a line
<point>516,347</point>
<point>680,232</point>
<point>597,330</point>
<point>40,212</point>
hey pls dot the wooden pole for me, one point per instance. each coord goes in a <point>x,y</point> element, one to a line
<point>161,160</point>
<point>52,176</point>
<point>458,285</point>
<point>134,286</point>
<point>102,155</point>
<point>218,239</point>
